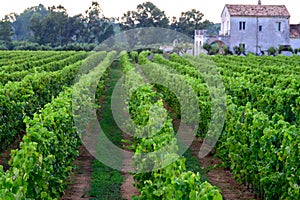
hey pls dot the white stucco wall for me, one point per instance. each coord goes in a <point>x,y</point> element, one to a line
<point>225,22</point>
<point>252,37</point>
<point>199,40</point>
<point>254,40</point>
<point>295,43</point>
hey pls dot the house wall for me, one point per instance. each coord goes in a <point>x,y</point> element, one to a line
<point>198,42</point>
<point>225,22</point>
<point>252,37</point>
<point>255,40</point>
<point>295,43</point>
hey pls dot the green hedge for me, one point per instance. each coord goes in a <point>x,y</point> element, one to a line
<point>44,161</point>
<point>172,181</point>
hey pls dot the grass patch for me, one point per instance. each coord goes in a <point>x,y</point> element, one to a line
<point>193,165</point>
<point>106,182</point>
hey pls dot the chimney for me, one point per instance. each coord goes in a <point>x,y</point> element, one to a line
<point>259,2</point>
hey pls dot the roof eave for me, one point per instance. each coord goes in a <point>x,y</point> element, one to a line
<point>224,9</point>
<point>288,16</point>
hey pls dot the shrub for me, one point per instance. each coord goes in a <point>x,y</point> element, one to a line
<point>297,50</point>
<point>285,48</point>
<point>134,56</point>
<point>226,50</point>
<point>3,47</point>
<point>207,47</point>
<point>272,51</point>
<point>214,49</point>
<point>236,50</point>
<point>242,50</point>
<point>239,50</point>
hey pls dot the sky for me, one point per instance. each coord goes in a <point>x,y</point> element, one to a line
<point>116,8</point>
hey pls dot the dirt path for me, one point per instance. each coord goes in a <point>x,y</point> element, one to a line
<point>5,154</point>
<point>127,188</point>
<point>221,177</point>
<point>79,183</point>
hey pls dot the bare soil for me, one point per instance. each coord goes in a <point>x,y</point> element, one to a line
<point>79,182</point>
<point>127,188</point>
<point>5,154</point>
<point>218,176</point>
<point>221,177</point>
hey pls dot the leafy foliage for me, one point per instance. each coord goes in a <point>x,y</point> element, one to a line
<point>24,98</point>
<point>190,21</point>
<point>172,181</point>
<point>39,169</point>
<point>272,51</point>
<point>146,15</point>
<point>6,32</point>
<point>53,27</point>
<point>258,142</point>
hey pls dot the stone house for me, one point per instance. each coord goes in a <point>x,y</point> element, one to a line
<point>254,27</point>
<point>295,35</point>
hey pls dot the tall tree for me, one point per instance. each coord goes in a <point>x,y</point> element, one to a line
<point>150,15</point>
<point>6,31</point>
<point>36,27</point>
<point>190,21</point>
<point>99,27</point>
<point>146,15</point>
<point>22,23</point>
<point>75,29</point>
<point>58,15</point>
<point>52,28</point>
<point>129,20</point>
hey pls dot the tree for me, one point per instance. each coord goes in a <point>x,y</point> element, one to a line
<point>22,23</point>
<point>190,21</point>
<point>98,26</point>
<point>6,31</point>
<point>146,15</point>
<point>75,29</point>
<point>129,20</point>
<point>207,47</point>
<point>213,29</point>
<point>58,17</point>
<point>50,29</point>
<point>57,28</point>
<point>150,15</point>
<point>35,27</point>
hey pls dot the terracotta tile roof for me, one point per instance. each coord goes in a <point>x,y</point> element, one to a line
<point>295,31</point>
<point>258,10</point>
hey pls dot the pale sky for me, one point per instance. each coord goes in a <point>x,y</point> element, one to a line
<point>115,8</point>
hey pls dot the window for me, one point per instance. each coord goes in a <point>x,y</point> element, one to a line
<point>242,25</point>
<point>260,28</point>
<point>278,26</point>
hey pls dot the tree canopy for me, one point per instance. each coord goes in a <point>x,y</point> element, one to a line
<point>6,31</point>
<point>53,26</point>
<point>190,21</point>
<point>146,15</point>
